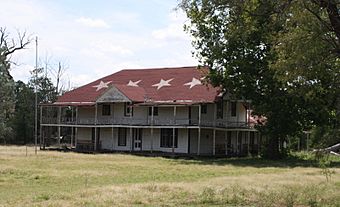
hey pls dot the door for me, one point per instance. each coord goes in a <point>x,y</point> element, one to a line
<point>137,139</point>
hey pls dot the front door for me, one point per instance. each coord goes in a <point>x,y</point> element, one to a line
<point>137,139</point>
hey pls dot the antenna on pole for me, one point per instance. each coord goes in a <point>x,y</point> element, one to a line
<point>36,97</point>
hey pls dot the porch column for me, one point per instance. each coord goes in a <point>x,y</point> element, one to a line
<point>72,128</point>
<point>112,136</point>
<point>76,132</point>
<point>214,130</point>
<point>258,143</point>
<point>237,149</point>
<point>59,121</point>
<point>199,130</point>
<point>131,137</point>
<point>214,142</point>
<point>151,133</point>
<point>75,137</point>
<point>95,127</point>
<point>226,142</point>
<point>72,136</point>
<point>215,114</point>
<point>41,135</point>
<point>174,132</point>
<point>248,141</point>
<point>237,114</point>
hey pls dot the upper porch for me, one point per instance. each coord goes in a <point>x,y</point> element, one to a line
<point>222,114</point>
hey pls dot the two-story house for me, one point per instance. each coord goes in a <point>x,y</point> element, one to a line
<point>169,110</point>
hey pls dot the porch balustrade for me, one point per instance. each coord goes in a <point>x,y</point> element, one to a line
<point>145,122</point>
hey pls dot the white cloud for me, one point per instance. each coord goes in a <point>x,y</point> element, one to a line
<point>89,22</point>
<point>174,30</point>
<point>129,38</point>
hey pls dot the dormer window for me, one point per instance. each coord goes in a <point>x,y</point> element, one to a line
<point>233,107</point>
<point>219,111</point>
<point>106,110</point>
<point>128,110</point>
<point>155,111</point>
<point>204,109</point>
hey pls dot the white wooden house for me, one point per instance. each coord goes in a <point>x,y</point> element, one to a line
<point>168,110</point>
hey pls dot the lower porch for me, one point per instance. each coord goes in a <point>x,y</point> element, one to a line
<point>164,141</point>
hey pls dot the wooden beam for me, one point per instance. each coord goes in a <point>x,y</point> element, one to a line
<point>199,141</point>
<point>95,128</point>
<point>151,134</point>
<point>214,142</point>
<point>59,129</point>
<point>41,135</point>
<point>174,132</point>
<point>131,137</point>
<point>226,142</point>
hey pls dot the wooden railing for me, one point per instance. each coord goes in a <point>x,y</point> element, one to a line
<point>220,123</point>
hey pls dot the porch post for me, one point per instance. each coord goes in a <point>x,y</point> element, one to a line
<point>214,142</point>
<point>215,114</point>
<point>237,114</point>
<point>131,137</point>
<point>95,127</point>
<point>41,135</point>
<point>59,121</point>
<point>112,136</point>
<point>151,134</point>
<point>72,136</point>
<point>75,138</point>
<point>258,143</point>
<point>237,149</point>
<point>76,132</point>
<point>174,132</point>
<point>226,142</point>
<point>248,138</point>
<point>214,130</point>
<point>72,128</point>
<point>199,130</point>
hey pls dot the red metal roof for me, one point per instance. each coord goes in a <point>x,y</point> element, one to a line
<point>161,85</point>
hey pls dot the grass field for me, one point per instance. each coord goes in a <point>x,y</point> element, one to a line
<point>72,179</point>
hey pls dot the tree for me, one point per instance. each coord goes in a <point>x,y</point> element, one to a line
<point>8,46</point>
<point>257,50</point>
<point>23,120</point>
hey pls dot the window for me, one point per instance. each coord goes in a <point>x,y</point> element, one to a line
<point>166,138</point>
<point>219,111</point>
<point>121,136</point>
<point>155,111</point>
<point>233,106</point>
<point>106,110</point>
<point>204,109</point>
<point>128,110</point>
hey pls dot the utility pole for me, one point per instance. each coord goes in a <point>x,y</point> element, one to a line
<point>36,97</point>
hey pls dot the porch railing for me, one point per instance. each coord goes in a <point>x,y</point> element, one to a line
<point>146,122</point>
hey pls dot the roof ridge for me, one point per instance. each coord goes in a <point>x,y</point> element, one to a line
<point>162,68</point>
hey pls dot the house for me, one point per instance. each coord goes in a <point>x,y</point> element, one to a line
<point>168,110</point>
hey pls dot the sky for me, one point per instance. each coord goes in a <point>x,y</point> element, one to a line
<point>95,38</point>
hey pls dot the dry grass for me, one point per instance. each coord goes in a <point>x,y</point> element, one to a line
<point>72,179</point>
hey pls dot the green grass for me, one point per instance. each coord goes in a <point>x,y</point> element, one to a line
<point>73,179</point>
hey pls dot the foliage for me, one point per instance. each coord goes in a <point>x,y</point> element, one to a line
<point>8,46</point>
<point>6,100</point>
<point>23,120</point>
<point>276,53</point>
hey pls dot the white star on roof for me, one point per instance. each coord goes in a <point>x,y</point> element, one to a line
<point>162,83</point>
<point>133,84</point>
<point>193,83</point>
<point>102,85</point>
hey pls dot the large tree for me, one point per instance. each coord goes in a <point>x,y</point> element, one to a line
<point>283,55</point>
<point>8,46</point>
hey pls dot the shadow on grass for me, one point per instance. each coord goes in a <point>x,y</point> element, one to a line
<point>289,162</point>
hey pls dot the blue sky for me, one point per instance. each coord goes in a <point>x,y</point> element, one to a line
<point>97,38</point>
